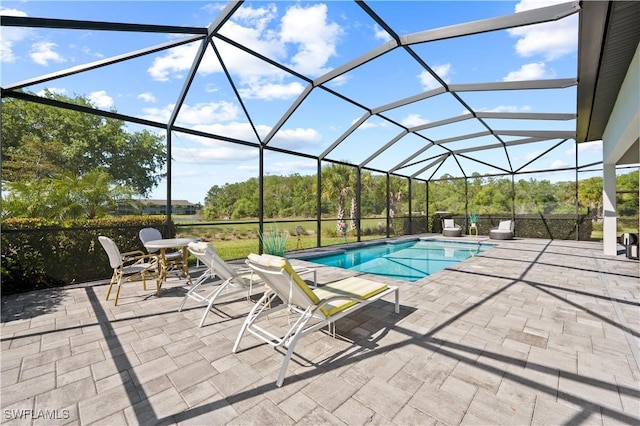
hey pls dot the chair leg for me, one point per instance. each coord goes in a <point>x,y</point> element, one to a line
<point>113,280</point>
<point>260,305</point>
<point>184,301</point>
<point>117,293</point>
<point>201,279</point>
<point>213,296</point>
<point>291,345</point>
<point>397,301</point>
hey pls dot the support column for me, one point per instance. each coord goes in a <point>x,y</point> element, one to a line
<point>609,226</point>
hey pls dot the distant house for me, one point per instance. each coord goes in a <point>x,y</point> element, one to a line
<point>160,207</point>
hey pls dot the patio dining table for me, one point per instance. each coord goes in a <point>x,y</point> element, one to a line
<point>169,243</point>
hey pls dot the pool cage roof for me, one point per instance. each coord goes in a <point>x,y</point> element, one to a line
<point>417,100</point>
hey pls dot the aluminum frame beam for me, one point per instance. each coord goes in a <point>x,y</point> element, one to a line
<point>529,17</point>
<point>101,63</point>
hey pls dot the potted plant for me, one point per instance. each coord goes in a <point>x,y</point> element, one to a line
<point>473,218</point>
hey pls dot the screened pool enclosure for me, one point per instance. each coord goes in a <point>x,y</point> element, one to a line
<point>416,94</point>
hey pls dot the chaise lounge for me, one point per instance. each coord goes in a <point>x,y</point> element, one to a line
<point>232,281</point>
<point>308,310</point>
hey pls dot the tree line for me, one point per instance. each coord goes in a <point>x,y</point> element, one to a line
<point>60,163</point>
<point>295,196</point>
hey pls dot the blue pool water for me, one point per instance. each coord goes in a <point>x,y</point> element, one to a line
<point>407,261</point>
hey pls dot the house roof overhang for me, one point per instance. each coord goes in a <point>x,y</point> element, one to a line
<point>608,38</point>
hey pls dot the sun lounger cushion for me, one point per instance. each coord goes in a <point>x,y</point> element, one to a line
<point>357,287</point>
<point>504,225</point>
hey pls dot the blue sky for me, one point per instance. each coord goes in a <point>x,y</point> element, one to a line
<point>310,38</point>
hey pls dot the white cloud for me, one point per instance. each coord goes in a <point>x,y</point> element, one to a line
<point>304,38</point>
<point>10,35</point>
<point>340,80</point>
<point>413,120</point>
<point>551,39</point>
<point>381,34</point>
<point>531,155</point>
<point>368,125</point>
<point>371,123</point>
<point>269,91</point>
<point>533,71</point>
<point>147,97</point>
<point>174,62</point>
<point>211,88</point>
<point>559,164</point>
<point>316,38</point>
<point>87,51</point>
<point>101,99</point>
<point>219,153</point>
<point>199,114</point>
<point>284,138</point>
<point>43,52</point>
<point>257,18</point>
<point>427,80</point>
<point>213,8</point>
<point>297,137</point>
<point>213,112</point>
<point>234,129</point>
<point>594,147</point>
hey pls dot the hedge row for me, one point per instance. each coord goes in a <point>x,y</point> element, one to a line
<point>39,254</point>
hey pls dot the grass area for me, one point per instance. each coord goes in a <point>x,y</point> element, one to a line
<point>239,249</point>
<point>237,241</point>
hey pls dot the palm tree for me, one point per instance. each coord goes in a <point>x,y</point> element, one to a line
<point>338,183</point>
<point>397,187</point>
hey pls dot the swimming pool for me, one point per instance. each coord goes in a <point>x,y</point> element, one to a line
<point>407,261</point>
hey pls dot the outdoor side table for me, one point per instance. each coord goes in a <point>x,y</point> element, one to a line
<point>167,243</point>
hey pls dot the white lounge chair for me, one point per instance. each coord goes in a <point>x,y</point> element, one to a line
<point>450,229</point>
<point>324,304</point>
<point>232,281</point>
<point>504,231</point>
<point>133,264</point>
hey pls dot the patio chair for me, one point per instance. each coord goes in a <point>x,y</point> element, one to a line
<point>450,229</point>
<point>324,305</point>
<point>173,259</point>
<point>133,264</point>
<point>504,231</point>
<point>234,281</point>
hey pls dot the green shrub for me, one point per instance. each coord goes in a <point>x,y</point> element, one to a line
<point>274,242</point>
<point>43,253</point>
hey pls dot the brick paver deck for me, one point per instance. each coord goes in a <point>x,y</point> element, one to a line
<point>530,332</point>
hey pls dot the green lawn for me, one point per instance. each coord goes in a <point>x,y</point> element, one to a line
<point>237,241</point>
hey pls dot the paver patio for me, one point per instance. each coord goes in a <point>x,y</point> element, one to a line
<point>530,332</point>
